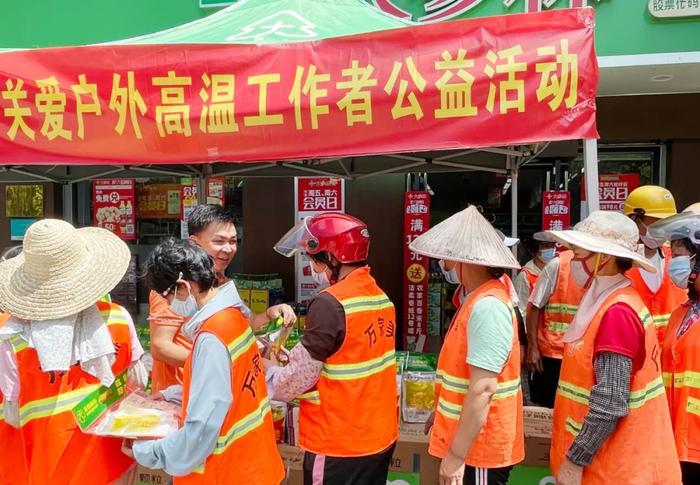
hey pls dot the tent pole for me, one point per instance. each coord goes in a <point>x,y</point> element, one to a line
<point>68,211</point>
<point>514,203</point>
<point>590,167</point>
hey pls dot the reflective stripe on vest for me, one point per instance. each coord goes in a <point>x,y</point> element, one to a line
<point>51,406</point>
<point>561,308</point>
<point>682,379</point>
<point>241,345</point>
<point>360,370</point>
<point>2,412</point>
<point>312,397</point>
<point>693,406</point>
<point>243,426</point>
<point>18,343</point>
<point>454,411</point>
<point>113,316</point>
<point>661,320</point>
<point>636,398</point>
<point>366,304</point>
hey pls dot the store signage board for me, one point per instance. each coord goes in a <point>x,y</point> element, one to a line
<point>114,206</point>
<point>556,210</point>
<point>670,9</point>
<point>188,198</point>
<point>416,270</point>
<point>312,196</point>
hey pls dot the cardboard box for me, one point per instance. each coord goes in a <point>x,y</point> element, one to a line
<point>411,457</point>
<point>413,432</point>
<point>293,459</point>
<point>537,421</point>
<point>145,476</point>
<point>537,452</point>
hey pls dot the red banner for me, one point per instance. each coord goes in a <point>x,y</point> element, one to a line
<point>416,269</point>
<point>613,189</point>
<point>469,83</point>
<point>114,206</point>
<point>556,210</point>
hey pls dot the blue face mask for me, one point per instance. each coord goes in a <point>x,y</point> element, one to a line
<point>679,270</point>
<point>451,275</point>
<point>547,254</point>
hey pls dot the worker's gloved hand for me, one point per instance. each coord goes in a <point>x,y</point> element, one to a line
<point>286,311</point>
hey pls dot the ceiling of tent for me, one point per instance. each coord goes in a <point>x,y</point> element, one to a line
<point>497,159</point>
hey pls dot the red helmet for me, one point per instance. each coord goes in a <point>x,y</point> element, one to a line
<point>345,237</point>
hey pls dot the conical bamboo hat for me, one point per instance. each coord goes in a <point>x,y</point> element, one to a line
<point>466,237</point>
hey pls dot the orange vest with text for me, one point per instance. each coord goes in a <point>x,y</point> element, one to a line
<point>246,450</point>
<point>13,466</point>
<point>662,302</point>
<point>500,442</point>
<point>680,363</point>
<point>56,451</point>
<point>352,410</point>
<point>560,310</point>
<point>640,451</point>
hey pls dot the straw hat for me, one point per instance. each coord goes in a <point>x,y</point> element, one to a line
<point>606,232</point>
<point>61,271</point>
<point>466,237</point>
<point>508,241</point>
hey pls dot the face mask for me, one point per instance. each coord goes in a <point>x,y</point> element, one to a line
<point>679,270</point>
<point>451,276</point>
<point>321,278</point>
<point>548,254</point>
<point>650,242</point>
<point>579,273</point>
<point>186,307</point>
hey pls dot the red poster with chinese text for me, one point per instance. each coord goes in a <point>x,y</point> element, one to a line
<point>556,210</point>
<point>613,189</point>
<point>188,201</point>
<point>490,81</point>
<point>314,195</point>
<point>216,190</point>
<point>114,206</point>
<point>416,269</point>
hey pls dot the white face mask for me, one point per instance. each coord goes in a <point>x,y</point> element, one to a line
<point>579,273</point>
<point>451,276</point>
<point>186,307</point>
<point>321,278</point>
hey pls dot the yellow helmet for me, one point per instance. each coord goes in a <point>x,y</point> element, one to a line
<point>651,201</point>
<point>695,208</point>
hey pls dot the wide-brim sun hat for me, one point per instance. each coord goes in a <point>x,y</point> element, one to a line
<point>606,232</point>
<point>61,270</point>
<point>507,240</point>
<point>543,237</point>
<point>465,237</point>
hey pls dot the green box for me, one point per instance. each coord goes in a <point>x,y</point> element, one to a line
<point>403,478</point>
<point>529,475</point>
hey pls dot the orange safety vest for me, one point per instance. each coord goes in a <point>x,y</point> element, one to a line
<point>531,277</point>
<point>352,410</point>
<point>13,466</point>
<point>666,299</point>
<point>500,442</point>
<point>246,450</point>
<point>461,293</point>
<point>560,310</point>
<point>680,363</point>
<point>640,451</point>
<point>55,449</point>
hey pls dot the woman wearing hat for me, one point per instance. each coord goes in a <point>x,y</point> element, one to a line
<point>227,436</point>
<point>610,417</point>
<point>65,345</point>
<point>478,424</point>
<point>680,354</point>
